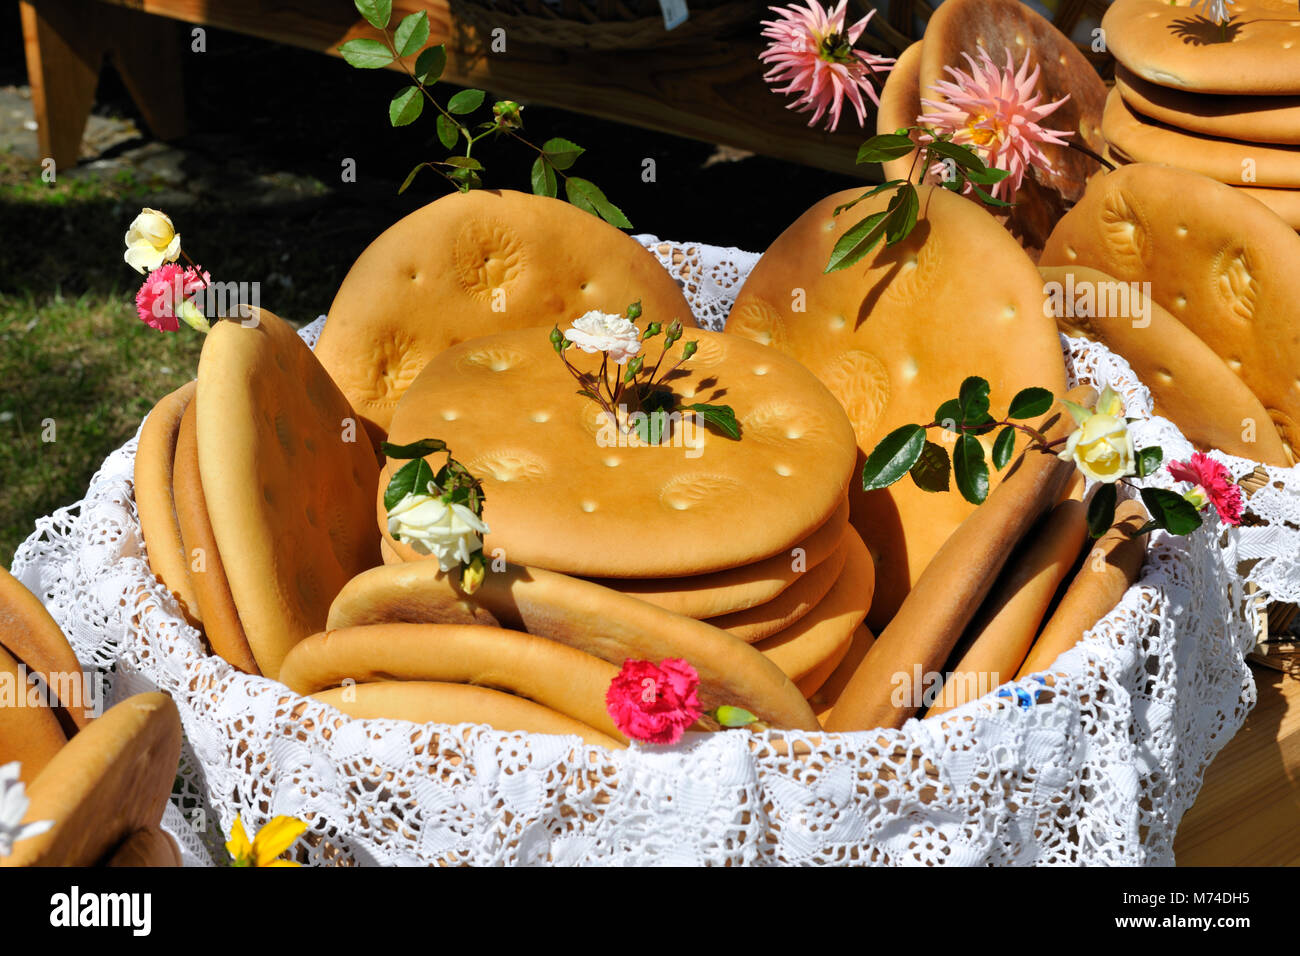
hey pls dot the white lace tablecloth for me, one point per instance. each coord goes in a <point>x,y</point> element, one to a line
<point>1099,771</point>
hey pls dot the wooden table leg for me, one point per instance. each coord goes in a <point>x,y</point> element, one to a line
<point>66,42</point>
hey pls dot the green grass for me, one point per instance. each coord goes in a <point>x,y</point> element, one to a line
<point>72,350</point>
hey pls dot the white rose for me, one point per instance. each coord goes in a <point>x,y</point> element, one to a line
<point>601,332</point>
<point>151,240</point>
<point>451,532</point>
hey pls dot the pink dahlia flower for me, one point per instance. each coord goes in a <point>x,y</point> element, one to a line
<point>1213,485</point>
<point>811,51</point>
<point>996,111</point>
<point>164,292</point>
<point>654,704</point>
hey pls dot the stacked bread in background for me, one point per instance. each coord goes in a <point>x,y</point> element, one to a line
<point>101,783</point>
<point>1222,100</point>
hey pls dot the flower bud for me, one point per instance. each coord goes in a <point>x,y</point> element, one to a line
<point>557,340</point>
<point>471,578</point>
<point>674,332</point>
<point>506,113</point>
<point>633,367</point>
<point>651,330</point>
<point>689,349</point>
<point>634,310</point>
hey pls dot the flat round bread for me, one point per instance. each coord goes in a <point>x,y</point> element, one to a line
<point>1285,203</point>
<point>1219,262</point>
<point>900,105</point>
<point>964,26</point>
<point>1171,45</point>
<point>1110,567</point>
<point>153,497</point>
<point>33,638</point>
<point>289,480</point>
<point>471,264</point>
<point>148,846</point>
<point>1252,119</point>
<point>809,650</point>
<point>562,494</point>
<point>921,637</point>
<point>549,673</point>
<point>894,336</point>
<point>790,605</point>
<point>1147,141</point>
<point>602,622</point>
<point>998,638</point>
<point>431,702</point>
<point>824,698</point>
<point>216,606</point>
<point>738,589</point>
<point>1190,385</point>
<point>29,732</point>
<point>112,779</point>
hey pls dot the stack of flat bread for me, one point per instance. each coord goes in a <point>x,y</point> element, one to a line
<point>736,555</point>
<point>103,781</point>
<point>1223,102</point>
<point>964,27</point>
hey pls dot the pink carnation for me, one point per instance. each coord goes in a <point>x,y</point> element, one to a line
<point>654,704</point>
<point>1213,481</point>
<point>164,291</point>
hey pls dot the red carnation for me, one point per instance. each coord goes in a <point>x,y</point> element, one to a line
<point>1213,482</point>
<point>654,704</point>
<point>164,292</point>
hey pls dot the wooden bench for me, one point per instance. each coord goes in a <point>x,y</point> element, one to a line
<point>711,91</point>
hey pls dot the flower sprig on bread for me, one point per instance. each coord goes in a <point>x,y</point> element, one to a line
<point>437,514</point>
<point>1101,448</point>
<point>553,158</point>
<point>656,704</point>
<point>632,393</point>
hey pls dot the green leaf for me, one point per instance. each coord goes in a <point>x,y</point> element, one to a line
<point>1030,403</point>
<point>430,64</point>
<point>974,398</point>
<point>719,418</point>
<point>411,33</point>
<point>963,157</point>
<point>987,177</point>
<point>857,241</point>
<point>1171,511</point>
<point>1004,446</point>
<point>543,178</point>
<point>1149,460</point>
<point>463,162</point>
<point>949,411</point>
<point>729,716</point>
<point>406,106</point>
<point>886,146</point>
<point>448,131</point>
<point>970,469</point>
<point>466,101</point>
<point>652,427</point>
<point>902,214</point>
<point>410,178</point>
<point>561,152</point>
<point>889,184</point>
<point>893,457</point>
<point>987,199</point>
<point>587,195</point>
<point>376,12</point>
<point>932,469</point>
<point>366,54</point>
<point>416,449</point>
<point>1101,510</point>
<point>411,478</point>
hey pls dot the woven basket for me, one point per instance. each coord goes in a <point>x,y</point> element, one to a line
<point>899,23</point>
<point>606,24</point>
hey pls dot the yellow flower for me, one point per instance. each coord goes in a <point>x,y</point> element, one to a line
<point>1101,446</point>
<point>272,840</point>
<point>151,240</point>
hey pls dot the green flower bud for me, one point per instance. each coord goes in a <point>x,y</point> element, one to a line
<point>689,349</point>
<point>506,113</point>
<point>633,367</point>
<point>634,310</point>
<point>651,330</point>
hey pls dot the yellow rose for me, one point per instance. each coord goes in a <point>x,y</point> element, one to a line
<point>1101,447</point>
<point>151,240</point>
